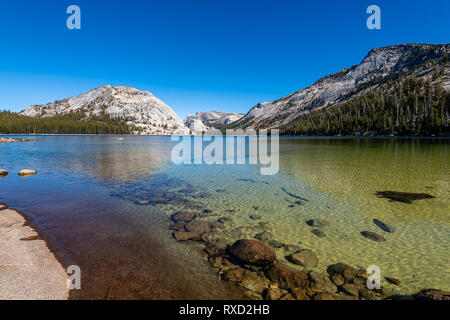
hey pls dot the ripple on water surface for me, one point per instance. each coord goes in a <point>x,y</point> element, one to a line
<point>91,195</point>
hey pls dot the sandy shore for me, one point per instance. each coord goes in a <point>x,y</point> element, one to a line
<point>28,270</point>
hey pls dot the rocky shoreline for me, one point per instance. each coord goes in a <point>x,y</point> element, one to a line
<point>28,269</point>
<point>9,140</point>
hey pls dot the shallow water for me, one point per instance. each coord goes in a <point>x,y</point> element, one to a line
<point>90,197</point>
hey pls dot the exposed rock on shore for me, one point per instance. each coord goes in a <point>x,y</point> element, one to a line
<point>27,172</point>
<point>28,270</point>
<point>8,140</point>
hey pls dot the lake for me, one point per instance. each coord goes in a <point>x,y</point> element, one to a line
<point>105,205</point>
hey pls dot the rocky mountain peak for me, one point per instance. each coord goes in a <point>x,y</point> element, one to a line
<point>141,109</point>
<point>203,121</point>
<point>330,90</point>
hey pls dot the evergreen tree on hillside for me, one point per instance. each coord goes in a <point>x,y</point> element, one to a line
<point>405,106</point>
<point>72,123</point>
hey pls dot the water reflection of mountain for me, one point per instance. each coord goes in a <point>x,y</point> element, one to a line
<point>114,161</point>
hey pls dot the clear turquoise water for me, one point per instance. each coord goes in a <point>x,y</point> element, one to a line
<point>89,197</point>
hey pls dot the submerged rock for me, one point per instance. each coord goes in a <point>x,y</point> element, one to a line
<point>215,240</point>
<point>216,262</point>
<point>234,275</point>
<point>319,233</point>
<point>318,223</point>
<point>217,225</point>
<point>291,248</point>
<point>241,232</point>
<point>350,289</point>
<point>346,271</point>
<point>305,258</point>
<point>405,197</point>
<point>275,244</point>
<point>299,294</point>
<point>394,281</point>
<point>253,252</point>
<point>198,227</point>
<point>367,294</point>
<point>324,296</point>
<point>224,220</point>
<point>263,236</point>
<point>178,226</point>
<point>342,296</point>
<point>319,282</point>
<point>337,279</point>
<point>253,282</point>
<point>27,172</point>
<point>286,278</point>
<point>272,294</point>
<point>287,296</point>
<point>183,216</point>
<point>383,226</point>
<point>432,294</point>
<point>373,236</point>
<point>184,236</point>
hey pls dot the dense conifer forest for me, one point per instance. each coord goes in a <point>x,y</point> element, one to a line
<point>73,123</point>
<point>401,107</point>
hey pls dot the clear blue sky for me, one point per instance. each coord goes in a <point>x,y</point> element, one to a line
<point>197,55</point>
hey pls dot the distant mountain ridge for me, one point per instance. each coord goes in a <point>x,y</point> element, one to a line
<point>141,110</point>
<point>377,67</point>
<point>400,89</point>
<point>203,121</point>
